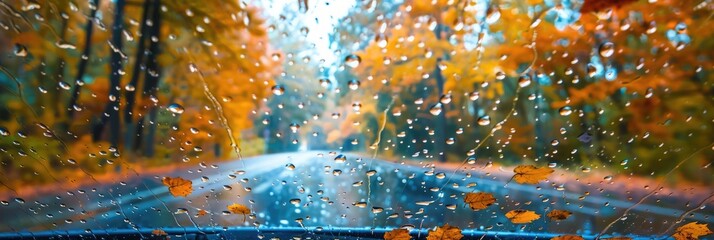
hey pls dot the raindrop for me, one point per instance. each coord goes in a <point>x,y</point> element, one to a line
<point>340,158</point>
<point>175,108</point>
<point>65,45</point>
<point>524,81</point>
<point>436,109</point>
<point>500,75</point>
<point>484,120</point>
<point>565,111</point>
<point>607,49</point>
<point>592,70</point>
<point>474,95</point>
<point>278,90</point>
<point>381,41</point>
<point>493,14</point>
<point>20,50</point>
<point>445,99</point>
<point>356,106</point>
<point>324,82</point>
<point>352,60</point>
<point>294,127</point>
<point>353,84</point>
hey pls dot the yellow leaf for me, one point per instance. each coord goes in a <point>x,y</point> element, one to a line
<point>178,187</point>
<point>397,234</point>
<point>478,201</point>
<point>445,232</point>
<point>691,231</point>
<point>238,209</point>
<point>529,174</point>
<point>558,215</point>
<point>522,216</point>
<point>568,237</point>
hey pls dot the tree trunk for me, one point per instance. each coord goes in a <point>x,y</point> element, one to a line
<point>111,112</point>
<point>135,75</point>
<point>152,76</point>
<point>84,60</point>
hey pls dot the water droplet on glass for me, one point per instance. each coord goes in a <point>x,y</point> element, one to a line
<point>324,82</point>
<point>353,84</point>
<point>592,70</point>
<point>356,106</point>
<point>340,158</point>
<point>20,50</point>
<point>436,109</point>
<point>352,60</point>
<point>565,111</point>
<point>607,49</point>
<point>493,14</point>
<point>278,90</point>
<point>294,127</point>
<point>484,120</point>
<point>524,81</point>
<point>381,40</point>
<point>175,108</point>
<point>473,96</point>
<point>65,45</point>
<point>445,99</point>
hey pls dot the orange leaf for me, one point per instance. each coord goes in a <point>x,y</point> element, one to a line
<point>158,232</point>
<point>568,237</point>
<point>397,234</point>
<point>201,213</point>
<point>558,215</point>
<point>522,216</point>
<point>238,209</point>
<point>178,186</point>
<point>691,231</point>
<point>445,232</point>
<point>478,201</point>
<point>529,174</point>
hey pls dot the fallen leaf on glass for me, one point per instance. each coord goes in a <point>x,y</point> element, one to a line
<point>201,213</point>
<point>478,201</point>
<point>158,232</point>
<point>178,187</point>
<point>529,174</point>
<point>397,234</point>
<point>558,215</point>
<point>238,209</point>
<point>691,231</point>
<point>445,232</point>
<point>568,237</point>
<point>522,216</point>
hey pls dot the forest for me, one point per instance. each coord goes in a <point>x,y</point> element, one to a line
<point>106,87</point>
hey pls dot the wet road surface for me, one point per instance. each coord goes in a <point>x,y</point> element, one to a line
<point>314,191</point>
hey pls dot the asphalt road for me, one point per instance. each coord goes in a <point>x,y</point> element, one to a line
<point>321,193</point>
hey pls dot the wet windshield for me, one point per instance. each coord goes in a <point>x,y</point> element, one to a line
<point>371,119</point>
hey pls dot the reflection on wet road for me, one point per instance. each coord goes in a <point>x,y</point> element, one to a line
<point>314,189</point>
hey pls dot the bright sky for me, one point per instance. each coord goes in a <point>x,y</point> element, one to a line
<point>320,19</point>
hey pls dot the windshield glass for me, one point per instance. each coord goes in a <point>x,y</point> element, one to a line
<point>371,119</point>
